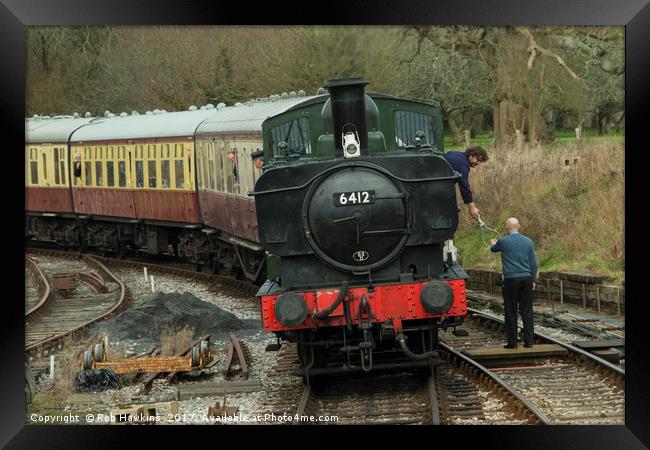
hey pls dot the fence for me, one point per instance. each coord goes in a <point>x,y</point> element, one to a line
<point>564,287</point>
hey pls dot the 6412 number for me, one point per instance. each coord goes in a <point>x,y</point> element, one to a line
<point>354,198</point>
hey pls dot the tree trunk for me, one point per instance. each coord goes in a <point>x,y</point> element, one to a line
<point>496,124</point>
<point>510,118</point>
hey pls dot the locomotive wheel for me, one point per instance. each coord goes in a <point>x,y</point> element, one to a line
<point>196,356</point>
<point>88,360</point>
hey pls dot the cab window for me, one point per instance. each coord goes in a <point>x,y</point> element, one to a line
<point>408,123</point>
<point>295,134</point>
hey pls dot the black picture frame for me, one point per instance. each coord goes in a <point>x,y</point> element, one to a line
<point>15,15</point>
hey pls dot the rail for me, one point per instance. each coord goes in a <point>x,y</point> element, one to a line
<point>121,301</point>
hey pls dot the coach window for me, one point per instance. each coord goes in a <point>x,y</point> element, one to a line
<point>188,152</point>
<point>57,179</point>
<point>211,164</point>
<point>205,163</point>
<point>199,162</point>
<point>220,171</point>
<point>33,165</point>
<point>62,164</point>
<point>164,173</point>
<point>88,173</point>
<point>121,173</point>
<point>151,165</point>
<point>139,166</point>
<point>179,173</point>
<point>202,167</point>
<point>110,173</point>
<point>121,166</point>
<point>408,123</point>
<point>99,178</point>
<point>44,163</point>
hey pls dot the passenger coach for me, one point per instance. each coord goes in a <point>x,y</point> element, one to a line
<point>156,182</point>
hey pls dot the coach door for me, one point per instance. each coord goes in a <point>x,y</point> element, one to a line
<point>232,188</point>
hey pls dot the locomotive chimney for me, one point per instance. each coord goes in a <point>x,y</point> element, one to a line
<point>349,112</point>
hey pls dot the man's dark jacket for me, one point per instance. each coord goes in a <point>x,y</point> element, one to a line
<point>460,163</point>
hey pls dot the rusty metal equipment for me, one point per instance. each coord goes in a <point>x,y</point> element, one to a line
<point>150,379</point>
<point>200,355</point>
<point>235,348</point>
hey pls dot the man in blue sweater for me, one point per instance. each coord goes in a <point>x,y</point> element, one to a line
<point>462,162</point>
<point>519,273</point>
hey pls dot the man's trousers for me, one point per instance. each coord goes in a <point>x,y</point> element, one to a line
<point>518,291</point>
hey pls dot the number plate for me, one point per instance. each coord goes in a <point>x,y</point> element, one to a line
<point>354,198</point>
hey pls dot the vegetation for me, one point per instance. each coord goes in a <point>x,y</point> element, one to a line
<point>495,79</point>
<point>574,213</point>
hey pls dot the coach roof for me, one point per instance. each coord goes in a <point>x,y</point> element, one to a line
<point>142,126</point>
<point>52,129</point>
<point>247,117</point>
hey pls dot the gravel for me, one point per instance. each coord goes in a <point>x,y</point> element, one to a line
<point>211,311</point>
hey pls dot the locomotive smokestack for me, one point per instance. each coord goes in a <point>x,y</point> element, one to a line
<point>349,115</point>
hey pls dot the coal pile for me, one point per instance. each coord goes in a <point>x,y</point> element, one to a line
<point>147,320</point>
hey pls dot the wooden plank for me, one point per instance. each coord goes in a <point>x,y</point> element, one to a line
<point>483,353</point>
<point>579,277</point>
<point>611,355</point>
<point>599,344</point>
<point>190,391</point>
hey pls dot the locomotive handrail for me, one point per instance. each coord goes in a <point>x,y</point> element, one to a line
<point>353,164</point>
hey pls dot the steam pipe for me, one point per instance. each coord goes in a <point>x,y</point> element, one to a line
<point>326,312</point>
<point>401,340</point>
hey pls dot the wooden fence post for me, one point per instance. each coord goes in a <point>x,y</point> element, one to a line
<point>519,140</point>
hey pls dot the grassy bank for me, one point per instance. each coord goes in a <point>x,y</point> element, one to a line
<point>574,213</point>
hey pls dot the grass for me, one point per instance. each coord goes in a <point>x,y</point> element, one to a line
<point>54,395</point>
<point>562,137</point>
<point>574,213</point>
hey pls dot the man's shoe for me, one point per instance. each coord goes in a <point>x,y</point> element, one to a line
<point>528,345</point>
<point>509,346</point>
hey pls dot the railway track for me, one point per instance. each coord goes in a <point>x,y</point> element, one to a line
<point>574,388</point>
<point>224,284</point>
<point>52,317</point>
<point>37,288</point>
<point>459,391</point>
<point>59,313</point>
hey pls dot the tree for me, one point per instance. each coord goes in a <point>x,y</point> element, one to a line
<point>521,65</point>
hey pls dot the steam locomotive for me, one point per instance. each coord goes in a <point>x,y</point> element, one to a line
<point>356,210</point>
